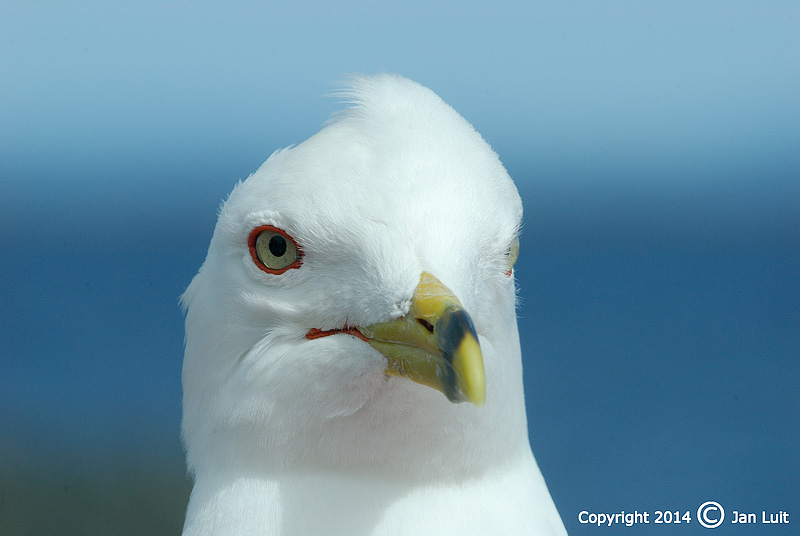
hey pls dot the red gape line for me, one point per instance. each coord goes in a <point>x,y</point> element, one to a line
<point>315,333</point>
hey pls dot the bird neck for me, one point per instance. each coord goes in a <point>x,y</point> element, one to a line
<point>333,502</point>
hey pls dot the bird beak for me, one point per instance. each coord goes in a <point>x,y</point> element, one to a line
<point>434,344</point>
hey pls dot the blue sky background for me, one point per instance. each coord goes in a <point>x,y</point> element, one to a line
<point>656,146</point>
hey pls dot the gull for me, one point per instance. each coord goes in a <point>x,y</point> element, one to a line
<point>352,361</point>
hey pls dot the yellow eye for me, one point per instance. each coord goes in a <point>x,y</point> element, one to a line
<point>511,255</point>
<point>273,250</point>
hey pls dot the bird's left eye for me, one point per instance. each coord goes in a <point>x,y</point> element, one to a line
<point>512,253</point>
<point>273,250</point>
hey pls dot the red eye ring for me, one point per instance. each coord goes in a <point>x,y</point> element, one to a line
<point>273,250</point>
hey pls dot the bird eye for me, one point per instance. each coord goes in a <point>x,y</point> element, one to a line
<point>273,250</point>
<point>512,253</point>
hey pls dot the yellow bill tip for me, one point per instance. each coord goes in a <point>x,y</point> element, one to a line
<point>468,365</point>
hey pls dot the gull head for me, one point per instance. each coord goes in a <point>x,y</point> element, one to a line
<point>356,308</point>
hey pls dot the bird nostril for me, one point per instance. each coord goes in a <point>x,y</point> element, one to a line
<point>427,325</point>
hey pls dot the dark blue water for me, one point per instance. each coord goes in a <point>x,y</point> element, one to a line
<point>662,379</point>
<point>660,330</point>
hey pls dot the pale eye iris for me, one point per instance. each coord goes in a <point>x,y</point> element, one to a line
<point>273,250</point>
<point>512,253</point>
